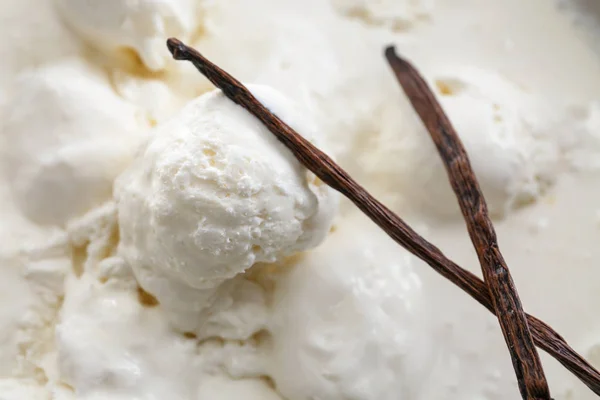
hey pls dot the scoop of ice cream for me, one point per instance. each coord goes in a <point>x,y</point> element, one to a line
<point>66,135</point>
<point>513,159</point>
<point>140,25</point>
<point>349,321</point>
<point>214,192</point>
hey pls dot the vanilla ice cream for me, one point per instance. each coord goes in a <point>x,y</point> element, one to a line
<point>357,297</point>
<point>392,14</point>
<point>514,156</point>
<point>138,25</point>
<point>32,38</point>
<point>67,136</point>
<point>158,242</point>
<point>212,193</point>
<point>33,286</point>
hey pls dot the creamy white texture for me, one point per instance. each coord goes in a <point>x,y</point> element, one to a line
<point>110,346</point>
<point>139,25</point>
<point>113,340</point>
<point>323,65</point>
<point>66,137</point>
<point>585,15</point>
<point>211,194</point>
<point>152,95</point>
<point>32,38</point>
<point>350,321</point>
<point>349,66</point>
<point>392,14</point>
<point>357,317</point>
<point>98,362</point>
<point>219,387</point>
<point>33,286</point>
<point>513,153</point>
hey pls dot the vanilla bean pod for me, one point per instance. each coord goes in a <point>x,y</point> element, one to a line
<point>505,298</point>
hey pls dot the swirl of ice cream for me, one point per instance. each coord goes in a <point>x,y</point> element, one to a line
<point>139,25</point>
<point>213,193</point>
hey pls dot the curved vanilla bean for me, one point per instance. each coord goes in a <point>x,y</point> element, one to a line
<point>505,298</point>
<point>330,173</point>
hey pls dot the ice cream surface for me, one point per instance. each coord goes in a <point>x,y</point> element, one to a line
<point>63,151</point>
<point>213,193</point>
<point>514,154</point>
<point>353,276</point>
<point>140,26</point>
<point>158,242</point>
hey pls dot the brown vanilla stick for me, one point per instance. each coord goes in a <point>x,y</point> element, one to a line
<point>330,173</point>
<point>505,298</point>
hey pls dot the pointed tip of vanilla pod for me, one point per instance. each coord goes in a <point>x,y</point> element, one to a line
<point>396,61</point>
<point>177,48</point>
<point>390,51</point>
